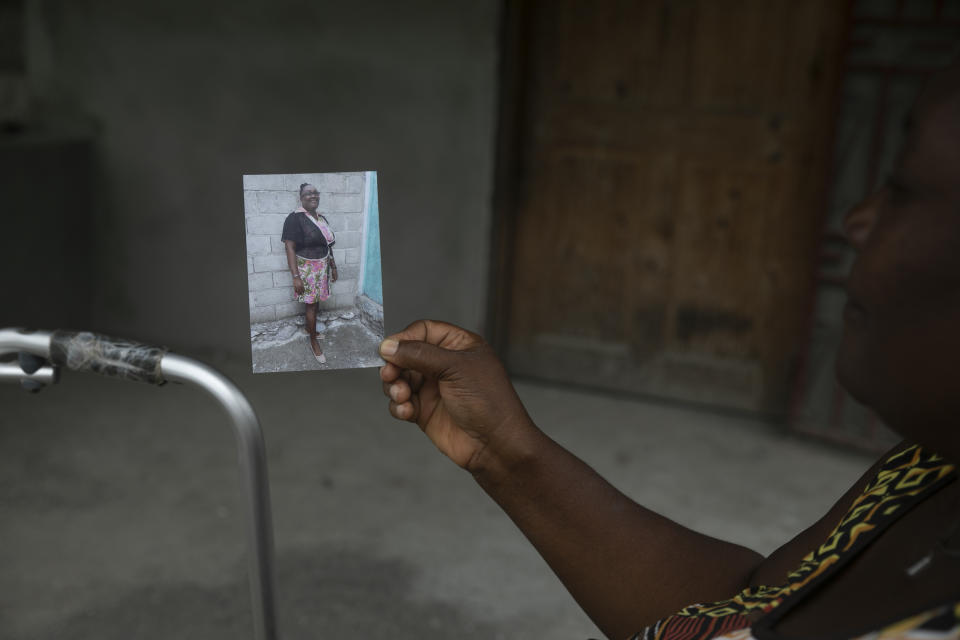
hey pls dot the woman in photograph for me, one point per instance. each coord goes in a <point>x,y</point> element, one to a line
<point>882,564</point>
<point>309,241</point>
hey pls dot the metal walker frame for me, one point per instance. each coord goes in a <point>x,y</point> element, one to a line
<point>42,353</point>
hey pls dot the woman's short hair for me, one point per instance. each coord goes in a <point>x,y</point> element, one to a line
<point>302,185</point>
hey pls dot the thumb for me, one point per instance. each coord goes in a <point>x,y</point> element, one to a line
<point>423,357</point>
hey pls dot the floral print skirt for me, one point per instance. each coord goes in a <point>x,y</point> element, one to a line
<point>316,280</point>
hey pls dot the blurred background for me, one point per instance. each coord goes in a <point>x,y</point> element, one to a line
<point>637,202</point>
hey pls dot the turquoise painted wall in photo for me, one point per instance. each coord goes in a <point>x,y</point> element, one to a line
<point>372,285</point>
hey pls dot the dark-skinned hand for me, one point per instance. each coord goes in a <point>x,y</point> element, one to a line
<point>449,382</point>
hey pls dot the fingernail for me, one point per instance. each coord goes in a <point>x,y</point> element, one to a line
<point>394,391</point>
<point>389,347</point>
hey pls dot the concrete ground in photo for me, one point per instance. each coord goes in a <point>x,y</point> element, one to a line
<point>284,345</point>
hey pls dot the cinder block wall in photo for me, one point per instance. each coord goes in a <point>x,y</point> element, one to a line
<point>267,201</point>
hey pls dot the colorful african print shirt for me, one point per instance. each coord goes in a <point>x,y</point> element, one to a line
<point>904,479</point>
<point>939,623</point>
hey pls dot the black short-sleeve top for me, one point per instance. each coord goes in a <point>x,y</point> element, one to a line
<point>308,240</point>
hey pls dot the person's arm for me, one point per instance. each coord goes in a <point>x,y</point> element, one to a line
<point>625,565</point>
<point>785,559</point>
<point>290,248</point>
<point>333,267</point>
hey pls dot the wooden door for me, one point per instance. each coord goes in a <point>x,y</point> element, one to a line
<point>661,191</point>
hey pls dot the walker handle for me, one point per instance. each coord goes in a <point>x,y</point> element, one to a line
<point>113,357</point>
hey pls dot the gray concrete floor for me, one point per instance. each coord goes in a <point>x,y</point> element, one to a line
<point>119,508</point>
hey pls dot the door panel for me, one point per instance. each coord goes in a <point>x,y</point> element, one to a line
<point>668,194</point>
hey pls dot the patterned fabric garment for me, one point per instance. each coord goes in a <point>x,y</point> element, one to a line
<point>940,623</point>
<point>316,281</point>
<point>904,479</point>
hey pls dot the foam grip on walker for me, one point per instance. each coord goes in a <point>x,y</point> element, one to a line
<point>114,357</point>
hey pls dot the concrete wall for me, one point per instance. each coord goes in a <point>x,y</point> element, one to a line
<point>190,96</point>
<point>267,200</point>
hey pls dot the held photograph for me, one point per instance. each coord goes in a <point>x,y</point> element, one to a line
<point>313,270</point>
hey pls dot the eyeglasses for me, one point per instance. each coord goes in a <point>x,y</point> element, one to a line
<point>309,194</point>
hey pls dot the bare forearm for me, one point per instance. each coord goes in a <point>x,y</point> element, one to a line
<point>625,565</point>
<point>291,258</point>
